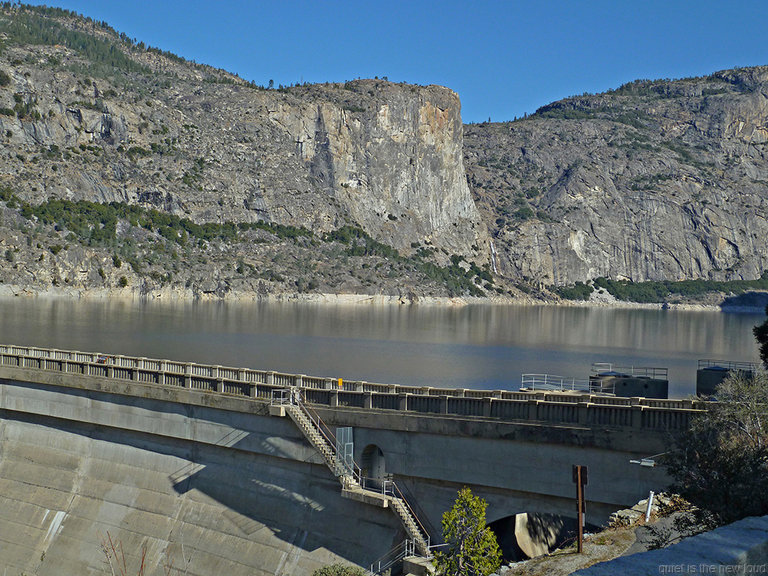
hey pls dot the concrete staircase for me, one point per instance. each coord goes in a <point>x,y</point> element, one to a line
<point>313,432</point>
<point>353,485</point>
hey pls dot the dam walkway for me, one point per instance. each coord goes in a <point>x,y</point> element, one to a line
<point>537,406</point>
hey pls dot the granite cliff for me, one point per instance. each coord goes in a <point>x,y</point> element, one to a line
<point>205,184</point>
<point>89,115</point>
<point>656,180</point>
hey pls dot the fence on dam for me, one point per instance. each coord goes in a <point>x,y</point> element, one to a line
<point>557,408</point>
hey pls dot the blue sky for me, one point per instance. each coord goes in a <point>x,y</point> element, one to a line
<point>504,58</point>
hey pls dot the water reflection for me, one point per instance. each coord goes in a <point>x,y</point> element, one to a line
<point>472,346</point>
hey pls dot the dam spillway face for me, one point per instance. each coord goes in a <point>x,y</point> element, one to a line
<point>65,487</point>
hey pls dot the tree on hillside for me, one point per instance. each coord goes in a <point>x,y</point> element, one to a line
<point>471,548</point>
<point>761,335</point>
<point>720,464</point>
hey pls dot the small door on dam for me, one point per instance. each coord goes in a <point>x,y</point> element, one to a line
<point>345,450</point>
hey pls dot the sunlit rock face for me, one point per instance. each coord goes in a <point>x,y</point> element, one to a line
<point>661,180</point>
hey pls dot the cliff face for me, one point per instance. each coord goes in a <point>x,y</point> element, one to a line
<point>659,180</point>
<point>321,181</point>
<point>381,156</point>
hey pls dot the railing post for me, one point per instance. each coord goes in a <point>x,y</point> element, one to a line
<point>487,405</point>
<point>271,378</point>
<point>298,380</point>
<point>368,400</point>
<point>444,404</point>
<point>333,398</point>
<point>188,376</point>
<point>637,415</point>
<point>402,403</point>
<point>138,364</point>
<point>160,374</point>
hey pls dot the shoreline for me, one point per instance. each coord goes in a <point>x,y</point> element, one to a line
<point>186,295</point>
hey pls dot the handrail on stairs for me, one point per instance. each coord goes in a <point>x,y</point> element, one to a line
<point>292,397</point>
<point>424,532</point>
<point>404,549</point>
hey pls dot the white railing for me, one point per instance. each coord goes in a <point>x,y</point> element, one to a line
<point>550,383</point>
<point>258,384</point>
<point>608,369</point>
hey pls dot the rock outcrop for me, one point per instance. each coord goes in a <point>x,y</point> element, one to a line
<point>663,180</point>
<point>381,156</point>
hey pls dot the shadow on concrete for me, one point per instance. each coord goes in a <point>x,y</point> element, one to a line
<point>527,535</point>
<point>298,502</point>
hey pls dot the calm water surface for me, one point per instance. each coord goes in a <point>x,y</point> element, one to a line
<point>467,347</point>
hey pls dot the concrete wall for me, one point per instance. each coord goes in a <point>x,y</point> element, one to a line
<point>242,492</point>
<point>738,548</point>
<point>153,463</point>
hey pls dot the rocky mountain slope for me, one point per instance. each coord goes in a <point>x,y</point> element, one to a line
<point>127,168</point>
<point>88,115</point>
<point>656,180</point>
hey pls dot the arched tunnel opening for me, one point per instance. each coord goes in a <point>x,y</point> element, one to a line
<point>530,534</point>
<point>373,466</point>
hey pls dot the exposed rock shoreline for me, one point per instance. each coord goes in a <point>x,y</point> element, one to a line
<point>171,294</point>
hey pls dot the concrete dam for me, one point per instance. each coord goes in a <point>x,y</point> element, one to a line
<point>202,471</point>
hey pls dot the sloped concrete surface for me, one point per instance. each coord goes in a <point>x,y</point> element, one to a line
<point>739,548</point>
<point>64,486</point>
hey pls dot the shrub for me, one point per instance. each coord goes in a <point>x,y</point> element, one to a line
<point>340,570</point>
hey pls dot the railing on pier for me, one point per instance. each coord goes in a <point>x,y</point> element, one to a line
<point>616,370</point>
<point>552,383</point>
<point>727,365</point>
<point>587,408</point>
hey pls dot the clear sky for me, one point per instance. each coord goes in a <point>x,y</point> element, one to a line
<point>504,58</point>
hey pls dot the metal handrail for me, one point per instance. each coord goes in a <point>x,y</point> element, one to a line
<point>395,555</point>
<point>553,382</point>
<point>397,493</point>
<point>414,505</point>
<point>326,432</point>
<point>656,373</point>
<point>727,365</point>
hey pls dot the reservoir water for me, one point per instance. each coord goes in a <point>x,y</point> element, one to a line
<point>476,346</point>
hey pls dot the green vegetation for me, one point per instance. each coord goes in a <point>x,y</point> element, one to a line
<point>360,243</point>
<point>720,464</point>
<point>578,291</point>
<point>457,278</point>
<point>5,79</point>
<point>761,335</point>
<point>471,548</point>
<point>563,113</point>
<point>39,25</point>
<point>340,570</point>
<point>96,224</point>
<point>661,291</point>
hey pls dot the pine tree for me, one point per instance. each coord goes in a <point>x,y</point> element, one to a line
<point>761,335</point>
<point>471,548</point>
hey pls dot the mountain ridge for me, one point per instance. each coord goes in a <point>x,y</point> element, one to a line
<point>391,194</point>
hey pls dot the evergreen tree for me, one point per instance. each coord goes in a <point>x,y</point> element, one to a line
<point>720,464</point>
<point>761,335</point>
<point>471,548</point>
